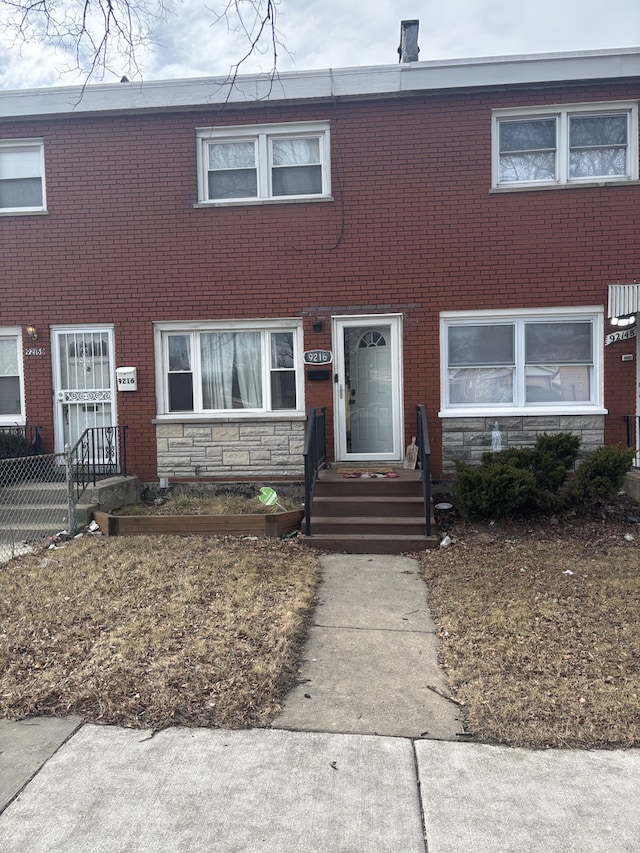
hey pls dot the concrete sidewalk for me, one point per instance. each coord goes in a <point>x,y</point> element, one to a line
<point>345,768</point>
<point>267,791</point>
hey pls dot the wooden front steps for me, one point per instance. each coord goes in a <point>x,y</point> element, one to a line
<point>369,515</point>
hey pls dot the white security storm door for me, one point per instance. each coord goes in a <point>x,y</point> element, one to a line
<point>84,376</point>
<point>368,390</point>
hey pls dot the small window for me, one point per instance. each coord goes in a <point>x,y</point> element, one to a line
<point>271,163</point>
<point>223,370</point>
<point>11,401</point>
<point>512,362</point>
<point>574,144</point>
<point>21,176</point>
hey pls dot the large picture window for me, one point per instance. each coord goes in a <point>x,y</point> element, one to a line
<point>21,176</point>
<point>267,163</point>
<point>224,370</point>
<point>573,144</point>
<point>528,361</point>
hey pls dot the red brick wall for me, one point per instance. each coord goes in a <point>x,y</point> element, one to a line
<point>413,229</point>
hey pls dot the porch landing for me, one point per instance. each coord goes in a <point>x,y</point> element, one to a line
<point>359,509</point>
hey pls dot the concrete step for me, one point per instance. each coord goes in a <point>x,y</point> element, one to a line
<point>370,543</point>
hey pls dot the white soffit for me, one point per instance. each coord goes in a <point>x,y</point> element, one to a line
<point>364,82</point>
<point>623,299</point>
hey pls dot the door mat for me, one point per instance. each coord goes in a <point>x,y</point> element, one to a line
<point>353,473</point>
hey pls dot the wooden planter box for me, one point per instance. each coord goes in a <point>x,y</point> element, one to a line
<point>272,524</point>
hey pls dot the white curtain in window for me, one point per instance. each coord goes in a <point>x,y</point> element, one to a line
<point>8,357</point>
<point>217,370</point>
<point>231,370</point>
<point>248,369</point>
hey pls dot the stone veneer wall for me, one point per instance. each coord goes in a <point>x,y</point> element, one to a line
<point>466,439</point>
<point>231,450</point>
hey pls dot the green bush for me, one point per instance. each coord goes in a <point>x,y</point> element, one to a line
<point>529,480</point>
<point>492,491</point>
<point>564,446</point>
<point>601,474</point>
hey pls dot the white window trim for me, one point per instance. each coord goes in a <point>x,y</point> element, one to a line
<point>21,419</point>
<point>457,318</point>
<point>561,113</point>
<point>262,134</point>
<point>192,327</point>
<point>7,144</point>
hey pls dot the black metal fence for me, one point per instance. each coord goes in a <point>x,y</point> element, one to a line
<point>99,452</point>
<point>20,441</point>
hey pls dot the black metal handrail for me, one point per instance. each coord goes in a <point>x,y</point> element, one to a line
<point>100,452</point>
<point>424,463</point>
<point>633,431</point>
<point>315,458</point>
<point>17,441</point>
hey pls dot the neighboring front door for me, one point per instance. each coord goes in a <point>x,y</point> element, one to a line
<point>84,376</point>
<point>368,390</point>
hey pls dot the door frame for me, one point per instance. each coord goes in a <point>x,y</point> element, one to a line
<point>339,323</point>
<point>58,402</point>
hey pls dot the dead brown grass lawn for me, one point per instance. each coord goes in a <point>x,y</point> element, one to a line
<point>154,631</point>
<point>540,630</point>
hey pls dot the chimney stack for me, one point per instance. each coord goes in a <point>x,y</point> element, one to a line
<point>409,49</point>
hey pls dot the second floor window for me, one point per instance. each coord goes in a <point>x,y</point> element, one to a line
<point>21,176</point>
<point>267,163</point>
<point>547,146</point>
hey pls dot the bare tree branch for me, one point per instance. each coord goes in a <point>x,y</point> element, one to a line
<point>100,33</point>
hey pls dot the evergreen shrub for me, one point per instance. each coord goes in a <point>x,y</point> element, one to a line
<point>529,480</point>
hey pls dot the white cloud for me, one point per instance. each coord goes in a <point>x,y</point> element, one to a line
<point>328,33</point>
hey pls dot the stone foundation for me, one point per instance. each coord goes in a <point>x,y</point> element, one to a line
<point>466,439</point>
<point>237,450</point>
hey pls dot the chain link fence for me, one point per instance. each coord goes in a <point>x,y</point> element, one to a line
<point>36,501</point>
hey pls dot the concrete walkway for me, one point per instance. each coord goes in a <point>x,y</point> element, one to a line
<point>370,664</point>
<point>347,767</point>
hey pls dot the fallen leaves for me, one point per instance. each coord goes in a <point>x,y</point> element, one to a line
<point>155,631</point>
<point>540,629</point>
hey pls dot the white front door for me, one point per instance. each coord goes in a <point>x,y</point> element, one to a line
<point>368,390</point>
<point>84,377</point>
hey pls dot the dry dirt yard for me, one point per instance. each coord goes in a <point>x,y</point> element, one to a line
<point>155,631</point>
<point>540,627</point>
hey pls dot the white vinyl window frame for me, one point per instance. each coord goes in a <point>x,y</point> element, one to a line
<point>518,320</point>
<point>32,171</point>
<point>263,137</point>
<point>12,375</point>
<point>561,115</point>
<point>193,330</point>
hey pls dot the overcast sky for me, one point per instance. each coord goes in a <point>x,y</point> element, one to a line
<point>343,33</point>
